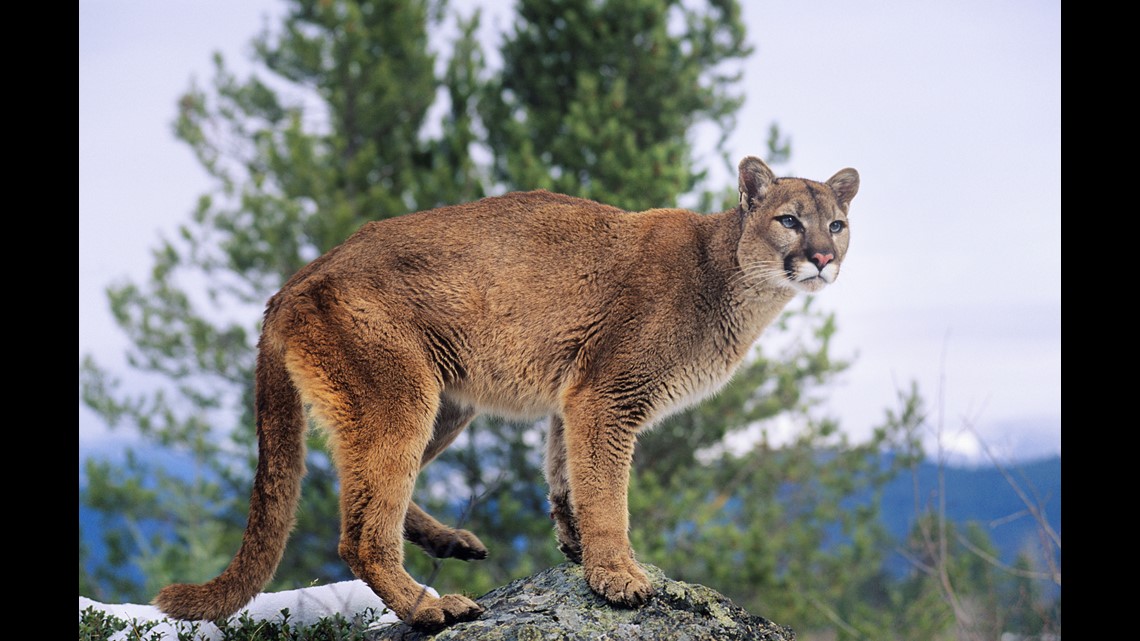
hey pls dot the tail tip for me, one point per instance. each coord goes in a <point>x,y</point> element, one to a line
<point>192,603</point>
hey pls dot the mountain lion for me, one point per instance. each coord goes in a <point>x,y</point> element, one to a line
<point>525,305</point>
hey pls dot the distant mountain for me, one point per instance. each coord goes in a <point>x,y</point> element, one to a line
<point>977,494</point>
<point>981,495</point>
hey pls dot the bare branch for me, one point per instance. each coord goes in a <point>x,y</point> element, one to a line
<point>1032,505</point>
<point>994,561</point>
<point>834,617</point>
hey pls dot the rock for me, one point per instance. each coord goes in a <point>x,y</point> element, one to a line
<point>556,604</point>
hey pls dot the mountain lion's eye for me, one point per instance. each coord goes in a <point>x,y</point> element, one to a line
<point>836,226</point>
<point>789,221</point>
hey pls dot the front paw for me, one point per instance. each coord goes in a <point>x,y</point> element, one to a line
<point>569,542</point>
<point>620,581</point>
<point>572,550</point>
<point>566,528</point>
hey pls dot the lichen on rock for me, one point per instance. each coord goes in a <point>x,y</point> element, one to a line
<point>556,604</point>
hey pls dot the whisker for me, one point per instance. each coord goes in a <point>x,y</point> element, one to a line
<point>758,276</point>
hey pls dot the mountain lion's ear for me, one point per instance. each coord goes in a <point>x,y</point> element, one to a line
<point>755,178</point>
<point>845,184</point>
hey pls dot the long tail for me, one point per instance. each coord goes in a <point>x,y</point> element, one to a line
<point>272,506</point>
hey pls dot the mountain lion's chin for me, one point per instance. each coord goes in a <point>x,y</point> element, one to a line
<point>809,285</point>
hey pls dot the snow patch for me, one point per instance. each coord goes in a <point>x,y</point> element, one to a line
<point>306,606</point>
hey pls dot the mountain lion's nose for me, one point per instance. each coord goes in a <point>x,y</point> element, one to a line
<point>821,260</point>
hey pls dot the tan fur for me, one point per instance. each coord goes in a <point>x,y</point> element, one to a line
<point>525,305</point>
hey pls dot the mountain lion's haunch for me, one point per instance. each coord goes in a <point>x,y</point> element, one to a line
<point>524,305</point>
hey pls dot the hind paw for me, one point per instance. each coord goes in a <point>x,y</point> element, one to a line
<point>444,611</point>
<point>457,544</point>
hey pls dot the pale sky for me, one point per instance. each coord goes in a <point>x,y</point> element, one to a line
<point>951,112</point>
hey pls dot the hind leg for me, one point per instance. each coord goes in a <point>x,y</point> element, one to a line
<point>437,539</point>
<point>379,403</point>
<point>557,479</point>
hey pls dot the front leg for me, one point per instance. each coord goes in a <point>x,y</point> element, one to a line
<point>558,480</point>
<point>599,446</point>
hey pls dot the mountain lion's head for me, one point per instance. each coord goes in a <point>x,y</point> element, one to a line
<point>795,231</point>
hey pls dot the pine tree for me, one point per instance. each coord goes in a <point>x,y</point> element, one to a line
<point>329,138</point>
<point>600,99</point>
